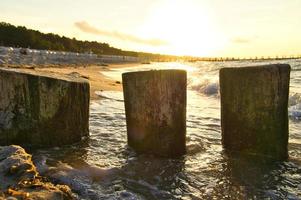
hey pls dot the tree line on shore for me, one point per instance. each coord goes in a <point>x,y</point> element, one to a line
<point>20,36</point>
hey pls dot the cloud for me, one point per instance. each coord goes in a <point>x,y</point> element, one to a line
<point>243,40</point>
<point>86,27</point>
<point>240,40</point>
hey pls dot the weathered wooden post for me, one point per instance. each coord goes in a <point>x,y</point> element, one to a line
<point>42,109</point>
<point>155,107</point>
<point>254,109</point>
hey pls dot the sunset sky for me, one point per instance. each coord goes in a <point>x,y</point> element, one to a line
<point>183,27</point>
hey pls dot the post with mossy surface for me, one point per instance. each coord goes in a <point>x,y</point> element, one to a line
<point>254,109</point>
<point>155,107</point>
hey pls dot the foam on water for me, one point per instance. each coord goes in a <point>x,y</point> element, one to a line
<point>295,111</point>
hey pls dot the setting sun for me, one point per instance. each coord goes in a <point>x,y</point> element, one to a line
<point>185,26</point>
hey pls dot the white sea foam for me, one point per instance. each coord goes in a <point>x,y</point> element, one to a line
<point>295,111</point>
<point>78,179</point>
<point>207,87</point>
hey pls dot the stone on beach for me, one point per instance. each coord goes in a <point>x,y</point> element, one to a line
<point>254,109</point>
<point>20,179</point>
<point>42,109</point>
<point>155,106</point>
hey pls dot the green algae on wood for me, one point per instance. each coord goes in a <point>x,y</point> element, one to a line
<point>155,106</point>
<point>42,109</point>
<point>254,109</point>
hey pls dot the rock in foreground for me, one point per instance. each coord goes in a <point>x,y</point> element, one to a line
<point>42,109</point>
<point>20,179</point>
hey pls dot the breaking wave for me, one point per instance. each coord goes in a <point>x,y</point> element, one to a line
<point>207,88</point>
<point>294,109</point>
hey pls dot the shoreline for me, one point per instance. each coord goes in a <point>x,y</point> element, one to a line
<point>98,81</point>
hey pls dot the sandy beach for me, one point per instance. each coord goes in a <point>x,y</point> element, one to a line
<point>98,81</point>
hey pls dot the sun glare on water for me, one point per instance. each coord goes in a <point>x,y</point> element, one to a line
<point>185,26</point>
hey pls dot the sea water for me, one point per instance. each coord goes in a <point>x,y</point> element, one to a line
<point>103,166</point>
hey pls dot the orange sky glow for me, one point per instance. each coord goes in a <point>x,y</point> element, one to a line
<point>180,27</point>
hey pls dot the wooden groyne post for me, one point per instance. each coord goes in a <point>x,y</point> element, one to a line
<point>42,109</point>
<point>254,109</point>
<point>155,107</point>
